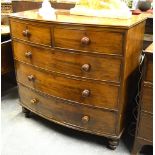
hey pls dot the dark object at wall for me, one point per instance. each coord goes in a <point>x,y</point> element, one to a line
<point>8,80</point>
<point>144,5</point>
<point>6,57</point>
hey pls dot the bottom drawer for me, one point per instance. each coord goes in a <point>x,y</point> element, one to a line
<point>92,120</point>
<point>146,126</point>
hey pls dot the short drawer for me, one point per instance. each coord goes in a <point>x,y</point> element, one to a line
<point>88,92</point>
<point>146,126</point>
<point>40,34</point>
<point>107,42</point>
<point>147,99</point>
<point>81,65</point>
<point>74,115</point>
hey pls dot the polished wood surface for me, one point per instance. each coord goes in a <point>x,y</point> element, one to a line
<point>133,49</point>
<point>75,115</point>
<point>144,129</point>
<point>98,41</point>
<point>64,17</point>
<point>88,62</point>
<point>31,33</point>
<point>75,64</point>
<point>101,94</point>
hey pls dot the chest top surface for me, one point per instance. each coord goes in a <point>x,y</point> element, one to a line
<point>64,17</point>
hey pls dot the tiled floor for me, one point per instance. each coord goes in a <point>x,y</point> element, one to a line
<point>37,136</point>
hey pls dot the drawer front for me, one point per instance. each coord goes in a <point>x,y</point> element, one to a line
<point>146,126</point>
<point>83,91</point>
<point>149,71</point>
<point>33,33</point>
<point>93,120</point>
<point>147,99</point>
<point>81,65</point>
<point>89,40</point>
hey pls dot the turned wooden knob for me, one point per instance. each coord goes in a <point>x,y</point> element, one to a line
<point>85,67</point>
<point>86,93</point>
<point>34,101</point>
<point>85,41</point>
<point>31,77</point>
<point>85,119</point>
<point>28,54</point>
<point>26,33</point>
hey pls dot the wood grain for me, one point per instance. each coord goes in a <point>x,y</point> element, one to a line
<point>130,77</point>
<point>38,34</point>
<point>101,94</point>
<point>70,63</point>
<point>64,17</point>
<point>90,62</point>
<point>100,41</point>
<point>68,113</point>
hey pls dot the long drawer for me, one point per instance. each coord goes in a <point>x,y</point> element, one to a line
<point>81,65</point>
<point>83,91</point>
<point>93,120</point>
<point>83,39</point>
<point>40,34</point>
<point>146,126</point>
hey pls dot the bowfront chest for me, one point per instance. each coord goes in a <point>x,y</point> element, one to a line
<point>76,70</point>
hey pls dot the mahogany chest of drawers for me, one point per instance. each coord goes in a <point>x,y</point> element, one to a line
<point>75,70</point>
<point>144,131</point>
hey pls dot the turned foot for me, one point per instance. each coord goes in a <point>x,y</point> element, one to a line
<point>113,143</point>
<point>26,112</point>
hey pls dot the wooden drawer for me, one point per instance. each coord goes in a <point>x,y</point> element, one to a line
<point>107,42</point>
<point>146,126</point>
<point>149,71</point>
<point>81,65</point>
<point>83,91</point>
<point>147,99</point>
<point>67,113</point>
<point>40,34</point>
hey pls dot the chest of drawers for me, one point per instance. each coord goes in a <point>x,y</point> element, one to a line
<point>144,130</point>
<point>76,70</point>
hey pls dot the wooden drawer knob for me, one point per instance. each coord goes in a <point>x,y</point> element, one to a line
<point>31,77</point>
<point>85,119</point>
<point>34,101</point>
<point>26,33</point>
<point>86,93</point>
<point>85,67</point>
<point>85,41</point>
<point>28,54</point>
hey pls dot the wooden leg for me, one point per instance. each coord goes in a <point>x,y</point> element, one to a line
<point>136,148</point>
<point>113,143</point>
<point>26,112</point>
